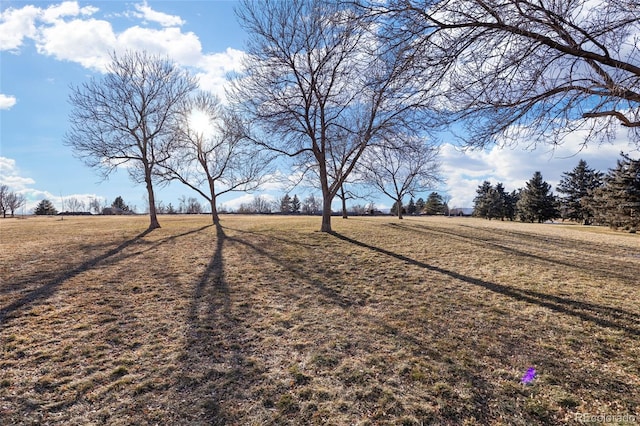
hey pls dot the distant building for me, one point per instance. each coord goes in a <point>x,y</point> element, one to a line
<point>114,211</point>
<point>461,211</point>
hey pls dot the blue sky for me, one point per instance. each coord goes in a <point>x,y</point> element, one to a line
<point>46,47</point>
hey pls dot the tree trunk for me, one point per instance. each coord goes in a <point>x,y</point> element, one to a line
<point>344,203</point>
<point>153,224</point>
<point>399,207</point>
<point>214,212</point>
<point>326,213</point>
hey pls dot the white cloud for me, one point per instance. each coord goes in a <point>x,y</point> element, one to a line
<point>148,14</point>
<point>15,25</point>
<point>72,33</point>
<point>87,42</point>
<point>7,101</point>
<point>68,8</point>
<point>216,66</point>
<point>10,175</point>
<point>184,48</point>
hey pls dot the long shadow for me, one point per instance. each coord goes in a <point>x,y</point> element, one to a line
<point>49,288</point>
<point>605,273</point>
<point>212,274</point>
<point>618,319</point>
<point>326,291</point>
<point>214,361</point>
<point>482,392</point>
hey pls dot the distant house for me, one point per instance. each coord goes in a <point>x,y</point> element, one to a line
<point>74,214</point>
<point>114,211</point>
<point>461,211</point>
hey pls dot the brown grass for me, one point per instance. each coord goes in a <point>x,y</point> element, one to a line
<point>266,321</point>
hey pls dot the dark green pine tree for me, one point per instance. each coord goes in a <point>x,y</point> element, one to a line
<point>45,207</point>
<point>411,207</point>
<point>617,202</point>
<point>295,204</point>
<point>394,209</point>
<point>119,203</point>
<point>537,203</point>
<point>482,201</point>
<point>577,186</point>
<point>420,205</point>
<point>495,202</point>
<point>285,204</point>
<point>510,205</point>
<point>434,204</point>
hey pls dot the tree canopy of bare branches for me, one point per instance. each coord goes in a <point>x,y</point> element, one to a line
<point>322,88</point>
<point>531,70</point>
<point>124,118</point>
<point>405,167</point>
<point>214,154</point>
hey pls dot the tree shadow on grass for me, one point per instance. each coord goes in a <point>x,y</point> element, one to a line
<point>603,316</point>
<point>599,266</point>
<point>327,288</point>
<point>215,361</point>
<point>46,290</point>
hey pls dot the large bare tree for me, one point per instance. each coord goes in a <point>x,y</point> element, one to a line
<point>124,117</point>
<point>529,70</point>
<point>215,155</point>
<point>322,87</point>
<point>402,167</point>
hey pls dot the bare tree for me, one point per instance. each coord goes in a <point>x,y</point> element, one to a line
<point>14,201</point>
<point>75,205</point>
<point>525,70</point>
<point>311,205</point>
<point>95,205</point>
<point>125,117</point>
<point>4,193</point>
<point>405,168</point>
<point>214,155</point>
<point>320,85</point>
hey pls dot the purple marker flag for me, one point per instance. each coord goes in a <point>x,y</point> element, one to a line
<point>529,376</point>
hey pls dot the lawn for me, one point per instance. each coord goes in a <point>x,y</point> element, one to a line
<point>267,321</point>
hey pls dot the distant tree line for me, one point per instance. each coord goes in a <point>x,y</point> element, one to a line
<point>587,197</point>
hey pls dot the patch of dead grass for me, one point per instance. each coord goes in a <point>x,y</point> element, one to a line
<point>267,321</point>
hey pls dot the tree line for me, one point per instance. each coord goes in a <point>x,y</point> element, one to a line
<point>356,91</point>
<point>587,196</point>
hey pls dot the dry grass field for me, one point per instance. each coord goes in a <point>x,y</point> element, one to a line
<point>267,321</point>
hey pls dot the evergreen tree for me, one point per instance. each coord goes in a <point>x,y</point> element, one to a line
<point>118,203</point>
<point>481,202</point>
<point>434,204</point>
<point>537,202</point>
<point>617,203</point>
<point>577,186</point>
<point>45,207</point>
<point>411,207</point>
<point>501,200</point>
<point>394,209</point>
<point>494,202</point>
<point>285,204</point>
<point>295,204</point>
<point>420,205</point>
<point>510,205</point>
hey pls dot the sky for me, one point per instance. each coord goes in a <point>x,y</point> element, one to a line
<point>48,47</point>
